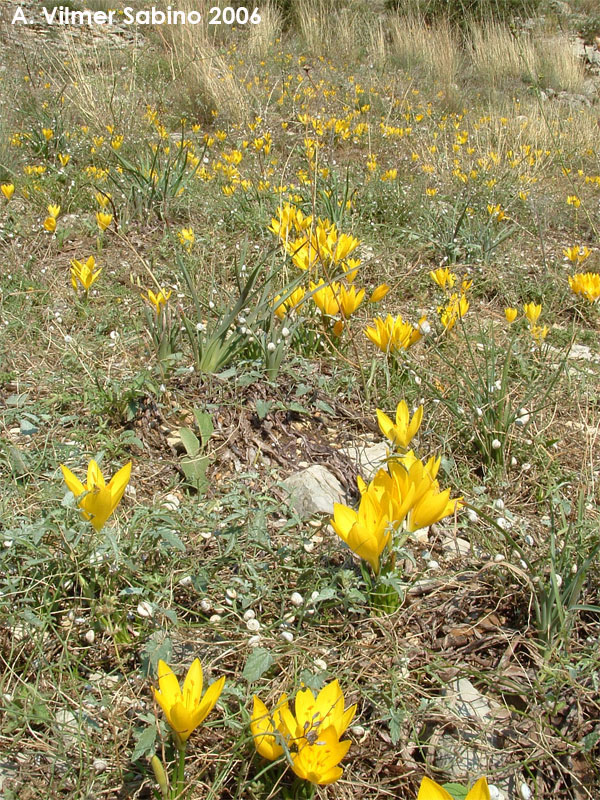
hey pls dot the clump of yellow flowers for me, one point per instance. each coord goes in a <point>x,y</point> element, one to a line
<point>404,495</point>
<point>586,284</point>
<point>317,247</point>
<point>310,736</point>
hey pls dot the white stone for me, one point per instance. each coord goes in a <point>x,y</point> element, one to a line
<point>313,490</point>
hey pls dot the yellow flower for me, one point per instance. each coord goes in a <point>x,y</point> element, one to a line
<point>103,220</point>
<point>48,133</point>
<point>573,200</point>
<point>157,300</point>
<point>453,311</point>
<point>510,314</point>
<point>379,292</point>
<point>350,299</point>
<point>366,531</point>
<point>539,333</point>
<point>496,212</point>
<point>310,736</point>
<point>50,224</point>
<point>443,277</point>
<point>64,159</point>
<point>318,760</point>
<point>84,273</point>
<point>54,211</point>
<point>186,709</point>
<point>325,296</point>
<point>577,254</point>
<point>405,428</point>
<point>430,790</point>
<point>586,284</point>
<point>532,312</point>
<point>392,334</point>
<point>7,189</point>
<point>103,199</point>
<point>186,237</point>
<point>100,499</point>
<point>291,303</point>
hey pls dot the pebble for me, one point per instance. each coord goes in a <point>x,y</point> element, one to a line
<point>171,502</point>
<point>249,614</point>
<point>320,664</point>
<point>287,636</point>
<point>145,609</point>
<point>215,618</point>
<point>525,791</point>
<point>254,641</point>
<point>205,605</point>
<point>297,599</point>
<point>89,637</point>
<point>100,765</point>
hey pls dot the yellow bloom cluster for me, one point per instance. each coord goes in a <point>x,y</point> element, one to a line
<point>314,244</point>
<point>406,493</point>
<point>586,284</point>
<point>393,333</point>
<point>310,736</point>
<point>532,312</point>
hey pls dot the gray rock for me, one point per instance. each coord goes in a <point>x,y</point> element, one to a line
<point>368,459</point>
<point>474,747</point>
<point>313,491</point>
<point>455,546</point>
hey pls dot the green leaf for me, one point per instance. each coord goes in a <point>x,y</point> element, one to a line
<point>145,744</point>
<point>170,537</point>
<point>457,791</point>
<point>205,425</point>
<point>129,438</point>
<point>325,407</point>
<point>257,664</point>
<point>262,408</point>
<point>190,441</point>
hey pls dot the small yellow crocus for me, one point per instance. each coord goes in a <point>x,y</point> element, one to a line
<point>379,292</point>
<point>186,237</point>
<point>103,199</point>
<point>158,301</point>
<point>532,312</point>
<point>84,273</point>
<point>577,254</point>
<point>54,211</point>
<point>50,224</point>
<point>311,734</point>
<point>7,189</point>
<point>97,499</point>
<point>510,314</point>
<point>405,429</point>
<point>48,133</point>
<point>103,220</point>
<point>185,709</point>
<point>430,790</point>
<point>392,334</point>
<point>443,277</point>
<point>64,159</point>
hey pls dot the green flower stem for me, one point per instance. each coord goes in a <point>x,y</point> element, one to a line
<point>179,782</point>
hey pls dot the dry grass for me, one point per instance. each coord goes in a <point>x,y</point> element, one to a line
<point>432,51</point>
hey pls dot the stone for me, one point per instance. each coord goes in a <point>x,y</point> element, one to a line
<point>368,459</point>
<point>313,491</point>
<point>455,546</point>
<point>474,748</point>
